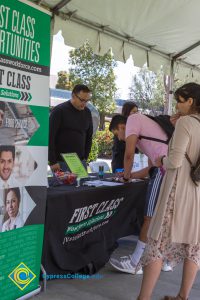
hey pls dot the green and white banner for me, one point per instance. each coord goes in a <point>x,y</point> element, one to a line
<point>24,114</point>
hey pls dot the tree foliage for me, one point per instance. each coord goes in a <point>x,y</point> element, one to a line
<point>63,82</point>
<point>151,91</point>
<point>158,103</point>
<point>148,90</point>
<point>97,72</point>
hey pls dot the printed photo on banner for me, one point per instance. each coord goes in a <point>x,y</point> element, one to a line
<point>16,166</point>
<point>17,123</point>
<point>15,207</point>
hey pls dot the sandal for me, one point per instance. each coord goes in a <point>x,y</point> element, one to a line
<point>179,297</point>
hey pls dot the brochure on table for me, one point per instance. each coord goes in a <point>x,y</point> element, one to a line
<point>75,165</point>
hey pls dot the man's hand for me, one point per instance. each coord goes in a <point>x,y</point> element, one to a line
<point>124,180</point>
<point>158,161</point>
<point>55,167</point>
<point>131,142</point>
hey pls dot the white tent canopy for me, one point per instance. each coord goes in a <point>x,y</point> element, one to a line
<point>155,32</point>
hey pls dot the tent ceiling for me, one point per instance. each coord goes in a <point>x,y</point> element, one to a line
<point>153,31</point>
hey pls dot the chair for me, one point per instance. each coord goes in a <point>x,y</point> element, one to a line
<point>94,166</point>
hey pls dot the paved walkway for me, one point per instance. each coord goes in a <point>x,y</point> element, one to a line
<point>115,285</point>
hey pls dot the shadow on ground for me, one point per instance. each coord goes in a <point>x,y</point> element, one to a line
<point>115,285</point>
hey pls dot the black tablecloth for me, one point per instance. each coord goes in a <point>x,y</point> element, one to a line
<point>83,224</point>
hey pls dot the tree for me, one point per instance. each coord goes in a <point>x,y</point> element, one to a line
<point>151,91</point>
<point>142,88</point>
<point>162,91</point>
<point>63,82</point>
<point>97,72</point>
<point>159,103</point>
<point>148,91</point>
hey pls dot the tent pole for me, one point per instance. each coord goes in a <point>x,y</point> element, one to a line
<point>51,33</point>
<point>171,86</point>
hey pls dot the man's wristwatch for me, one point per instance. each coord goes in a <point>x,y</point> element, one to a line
<point>125,179</point>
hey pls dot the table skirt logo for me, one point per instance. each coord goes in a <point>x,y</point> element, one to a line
<point>87,219</point>
<point>22,276</point>
<point>87,216</point>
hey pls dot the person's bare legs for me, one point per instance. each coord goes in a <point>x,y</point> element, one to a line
<point>128,264</point>
<point>150,277</point>
<point>141,243</point>
<point>144,229</point>
<point>188,277</point>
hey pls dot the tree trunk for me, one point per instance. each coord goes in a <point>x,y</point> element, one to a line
<point>166,79</point>
<point>102,121</point>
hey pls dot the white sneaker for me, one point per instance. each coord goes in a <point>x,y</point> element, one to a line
<point>124,264</point>
<point>166,267</point>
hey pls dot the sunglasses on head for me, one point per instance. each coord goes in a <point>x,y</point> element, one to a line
<point>182,93</point>
<point>179,101</point>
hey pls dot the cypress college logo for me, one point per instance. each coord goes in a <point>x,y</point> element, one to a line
<point>22,276</point>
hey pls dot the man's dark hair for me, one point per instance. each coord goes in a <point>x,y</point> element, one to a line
<point>80,88</point>
<point>2,106</point>
<point>116,120</point>
<point>7,148</point>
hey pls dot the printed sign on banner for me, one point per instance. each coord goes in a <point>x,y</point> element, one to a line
<point>24,113</point>
<point>23,124</point>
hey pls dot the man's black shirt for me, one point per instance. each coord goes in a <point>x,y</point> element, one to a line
<point>70,131</point>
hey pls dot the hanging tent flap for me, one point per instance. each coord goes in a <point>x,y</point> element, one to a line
<point>157,29</point>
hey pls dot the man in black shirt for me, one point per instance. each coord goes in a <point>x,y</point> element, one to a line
<point>71,127</point>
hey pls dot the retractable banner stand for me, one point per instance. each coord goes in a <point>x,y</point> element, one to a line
<point>24,110</point>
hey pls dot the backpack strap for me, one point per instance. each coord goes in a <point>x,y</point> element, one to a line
<point>153,139</point>
<point>195,118</point>
<point>161,141</point>
<point>186,155</point>
<point>188,159</point>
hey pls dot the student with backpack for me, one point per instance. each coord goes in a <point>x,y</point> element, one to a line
<point>150,138</point>
<point>174,232</point>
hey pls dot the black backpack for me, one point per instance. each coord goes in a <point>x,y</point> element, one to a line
<point>164,122</point>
